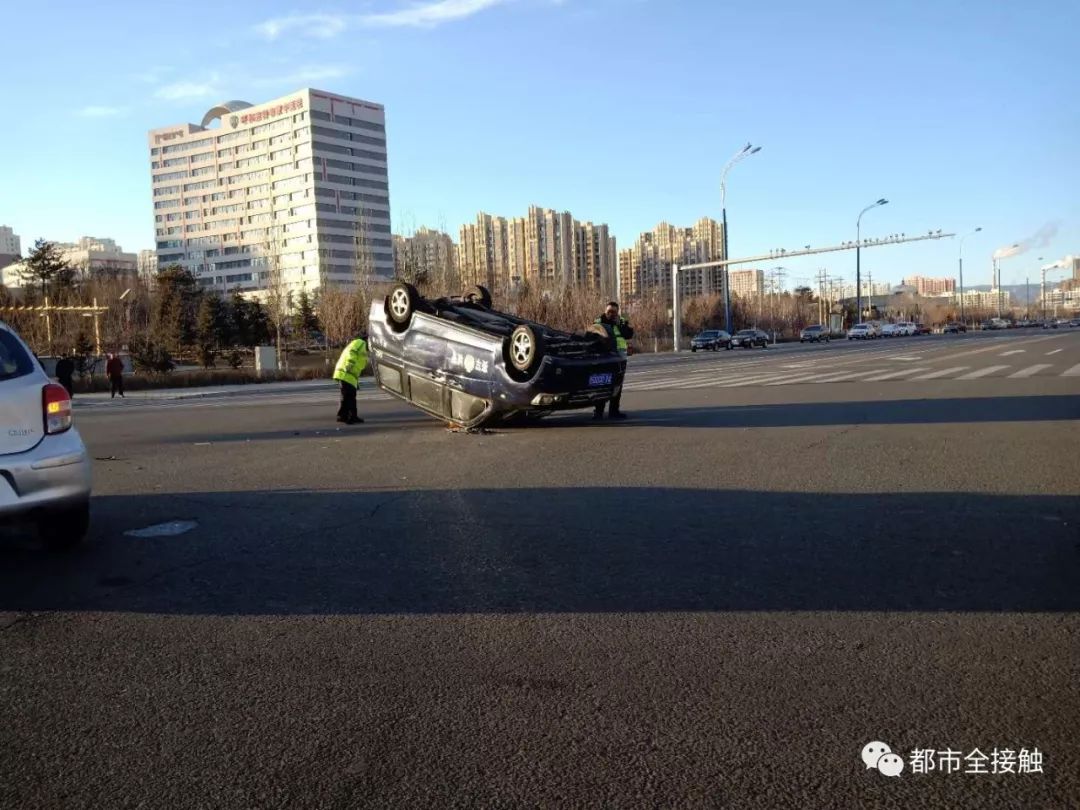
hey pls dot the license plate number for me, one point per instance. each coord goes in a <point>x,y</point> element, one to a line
<point>600,379</point>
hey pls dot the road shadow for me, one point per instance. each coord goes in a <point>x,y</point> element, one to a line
<point>573,550</point>
<point>960,410</point>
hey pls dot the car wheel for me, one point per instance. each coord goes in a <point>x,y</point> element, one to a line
<point>693,350</point>
<point>64,528</point>
<point>401,304</point>
<point>525,349</point>
<point>478,295</point>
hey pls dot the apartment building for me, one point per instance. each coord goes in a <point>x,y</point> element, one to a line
<point>747,283</point>
<point>647,265</point>
<point>427,254</point>
<point>927,287</point>
<point>544,247</point>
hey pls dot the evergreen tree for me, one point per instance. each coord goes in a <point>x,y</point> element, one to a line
<point>47,270</point>
<point>172,321</point>
<point>305,321</point>
<point>207,328</point>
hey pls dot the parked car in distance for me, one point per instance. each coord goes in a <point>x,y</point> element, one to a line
<point>46,470</point>
<point>953,328</point>
<point>749,338</point>
<point>1074,322</point>
<point>814,334</point>
<point>860,331</point>
<point>923,329</point>
<point>711,340</point>
<point>890,330</point>
<point>908,328</point>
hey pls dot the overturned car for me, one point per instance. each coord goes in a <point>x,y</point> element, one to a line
<point>468,364</point>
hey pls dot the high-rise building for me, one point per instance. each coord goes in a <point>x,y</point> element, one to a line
<point>10,245</point>
<point>925,286</point>
<point>544,247</point>
<point>292,191</point>
<point>148,263</point>
<point>747,283</point>
<point>426,254</point>
<point>647,265</point>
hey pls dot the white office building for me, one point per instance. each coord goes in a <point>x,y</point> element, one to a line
<point>294,189</point>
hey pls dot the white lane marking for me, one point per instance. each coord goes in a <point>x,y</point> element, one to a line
<point>845,376</point>
<point>758,378</point>
<point>1014,351</point>
<point>1030,371</point>
<point>905,357</point>
<point>801,378</point>
<point>982,372</point>
<point>945,372</point>
<point>894,374</point>
<point>1072,372</point>
<point>1055,351</point>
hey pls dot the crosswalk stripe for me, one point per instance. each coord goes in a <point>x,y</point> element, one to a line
<point>1030,371</point>
<point>800,378</point>
<point>843,377</point>
<point>1072,372</point>
<point>945,372</point>
<point>1055,351</point>
<point>894,374</point>
<point>982,372</point>
<point>759,378</point>
<point>1014,351</point>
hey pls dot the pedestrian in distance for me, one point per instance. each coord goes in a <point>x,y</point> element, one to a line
<point>114,369</point>
<point>619,330</point>
<point>65,371</point>
<point>347,372</point>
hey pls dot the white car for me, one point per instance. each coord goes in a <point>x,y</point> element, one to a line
<point>906,328</point>
<point>860,331</point>
<point>43,461</point>
<point>890,330</point>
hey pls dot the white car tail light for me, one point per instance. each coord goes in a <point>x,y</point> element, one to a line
<point>56,404</point>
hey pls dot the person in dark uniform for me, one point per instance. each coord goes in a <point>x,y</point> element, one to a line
<point>114,369</point>
<point>65,371</point>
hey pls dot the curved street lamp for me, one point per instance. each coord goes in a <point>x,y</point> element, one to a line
<point>962,238</point>
<point>858,257</point>
<point>741,155</point>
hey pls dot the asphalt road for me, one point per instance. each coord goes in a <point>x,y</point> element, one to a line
<point>784,555</point>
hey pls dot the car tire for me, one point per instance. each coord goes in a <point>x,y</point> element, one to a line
<point>400,305</point>
<point>693,350</point>
<point>478,295</point>
<point>64,528</point>
<point>524,350</point>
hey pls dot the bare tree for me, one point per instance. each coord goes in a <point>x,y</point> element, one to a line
<point>277,294</point>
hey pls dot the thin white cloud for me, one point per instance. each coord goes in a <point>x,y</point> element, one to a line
<point>303,76</point>
<point>182,91</point>
<point>428,15</point>
<point>319,26</point>
<point>416,15</point>
<point>101,111</point>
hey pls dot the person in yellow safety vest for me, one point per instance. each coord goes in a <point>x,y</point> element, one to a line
<point>619,330</point>
<point>347,372</point>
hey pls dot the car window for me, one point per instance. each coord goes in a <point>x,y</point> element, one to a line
<point>15,361</point>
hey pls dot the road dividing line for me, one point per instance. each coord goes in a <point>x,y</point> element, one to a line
<point>894,374</point>
<point>1072,372</point>
<point>1055,351</point>
<point>982,372</point>
<point>1030,371</point>
<point>945,372</point>
<point>1014,351</point>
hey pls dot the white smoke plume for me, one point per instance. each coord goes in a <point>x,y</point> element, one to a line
<point>1038,240</point>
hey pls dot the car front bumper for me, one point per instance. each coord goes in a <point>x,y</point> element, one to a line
<point>56,473</point>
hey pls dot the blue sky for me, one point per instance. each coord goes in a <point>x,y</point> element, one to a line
<point>620,111</point>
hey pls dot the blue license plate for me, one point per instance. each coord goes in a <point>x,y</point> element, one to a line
<point>600,379</point>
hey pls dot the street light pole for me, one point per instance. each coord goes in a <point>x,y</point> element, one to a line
<point>858,257</point>
<point>962,238</point>
<point>743,153</point>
